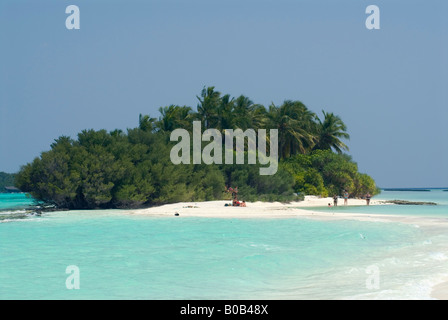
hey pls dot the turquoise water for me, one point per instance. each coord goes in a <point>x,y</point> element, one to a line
<point>14,201</point>
<point>127,257</point>
<point>15,206</point>
<point>437,196</point>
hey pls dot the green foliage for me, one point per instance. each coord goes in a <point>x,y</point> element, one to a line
<point>307,179</point>
<point>119,169</point>
<point>364,184</point>
<point>326,173</point>
<point>329,133</point>
<point>6,180</point>
<point>255,187</point>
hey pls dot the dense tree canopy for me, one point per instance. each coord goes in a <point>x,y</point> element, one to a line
<point>119,169</point>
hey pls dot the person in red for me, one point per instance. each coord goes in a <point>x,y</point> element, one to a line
<point>234,192</point>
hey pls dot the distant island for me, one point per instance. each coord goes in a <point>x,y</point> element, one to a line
<point>7,182</point>
<point>407,189</point>
<point>132,169</point>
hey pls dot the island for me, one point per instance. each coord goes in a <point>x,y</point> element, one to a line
<point>134,169</point>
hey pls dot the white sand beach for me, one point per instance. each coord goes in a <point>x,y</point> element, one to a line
<point>258,209</point>
<point>217,209</point>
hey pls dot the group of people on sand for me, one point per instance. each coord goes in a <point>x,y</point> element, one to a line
<point>345,196</point>
<point>235,202</point>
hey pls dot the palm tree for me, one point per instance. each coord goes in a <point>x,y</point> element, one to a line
<point>295,127</point>
<point>146,123</point>
<point>329,133</point>
<point>243,108</point>
<point>173,117</point>
<point>258,116</point>
<point>247,115</point>
<point>207,108</point>
<point>225,113</point>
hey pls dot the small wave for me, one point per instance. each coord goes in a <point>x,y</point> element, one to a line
<point>8,216</point>
<point>13,212</point>
<point>410,290</point>
<point>438,256</point>
<point>266,247</point>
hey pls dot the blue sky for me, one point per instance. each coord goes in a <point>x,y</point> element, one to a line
<point>131,57</point>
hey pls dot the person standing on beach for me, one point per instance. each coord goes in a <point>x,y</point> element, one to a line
<point>335,200</point>
<point>345,197</point>
<point>234,192</point>
<point>368,196</point>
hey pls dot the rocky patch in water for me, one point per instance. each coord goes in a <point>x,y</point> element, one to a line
<point>405,202</point>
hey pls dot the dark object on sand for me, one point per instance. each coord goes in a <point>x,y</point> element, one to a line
<point>176,214</point>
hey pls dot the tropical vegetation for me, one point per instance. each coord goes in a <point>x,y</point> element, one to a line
<point>117,169</point>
